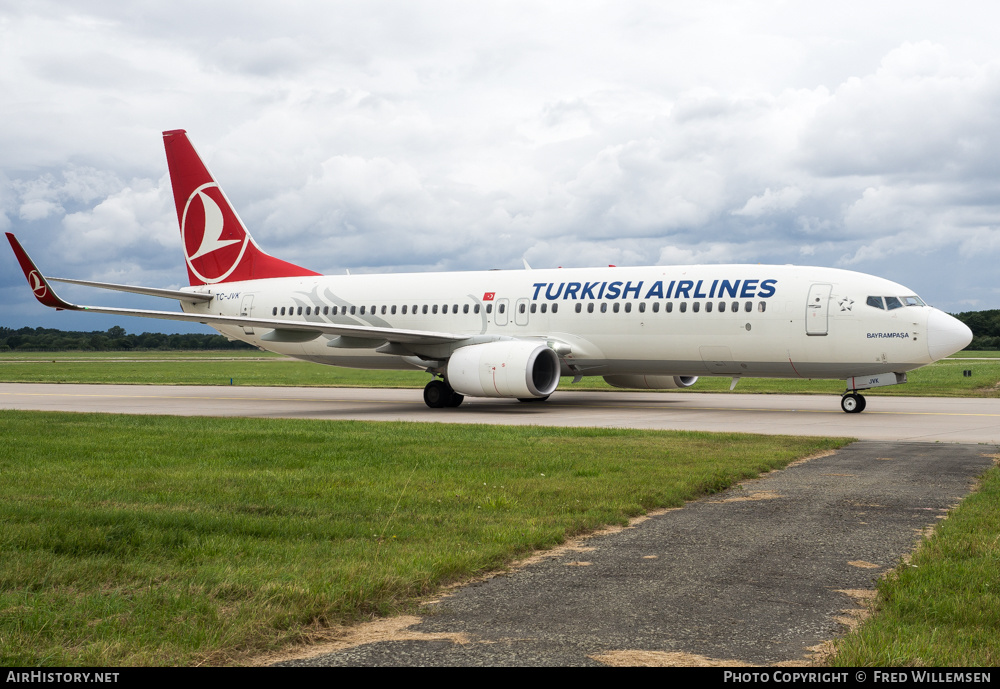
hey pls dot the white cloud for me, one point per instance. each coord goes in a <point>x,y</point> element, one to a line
<point>440,135</point>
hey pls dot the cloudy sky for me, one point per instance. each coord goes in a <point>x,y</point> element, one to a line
<point>423,135</point>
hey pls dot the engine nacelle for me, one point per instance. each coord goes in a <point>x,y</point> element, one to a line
<point>508,368</point>
<point>651,382</point>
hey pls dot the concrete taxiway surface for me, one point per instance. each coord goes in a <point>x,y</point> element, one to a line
<point>960,420</point>
<point>758,575</point>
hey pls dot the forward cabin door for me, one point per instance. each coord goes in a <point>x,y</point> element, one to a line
<point>818,309</point>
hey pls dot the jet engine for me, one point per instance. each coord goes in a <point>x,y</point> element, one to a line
<point>651,382</point>
<point>508,368</point>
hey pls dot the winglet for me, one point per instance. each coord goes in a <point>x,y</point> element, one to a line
<point>36,281</point>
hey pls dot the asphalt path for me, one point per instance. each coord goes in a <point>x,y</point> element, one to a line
<point>767,573</point>
<point>763,574</point>
<point>927,419</point>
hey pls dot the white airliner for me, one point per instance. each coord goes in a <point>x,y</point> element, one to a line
<point>513,333</point>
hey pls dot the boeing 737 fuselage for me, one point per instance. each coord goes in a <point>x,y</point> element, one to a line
<point>512,334</point>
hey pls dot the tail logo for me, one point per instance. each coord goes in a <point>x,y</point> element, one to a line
<point>214,239</point>
<point>37,284</point>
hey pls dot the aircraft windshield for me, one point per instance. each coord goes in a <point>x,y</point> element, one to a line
<point>891,303</point>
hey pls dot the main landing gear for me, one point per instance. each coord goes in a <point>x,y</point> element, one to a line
<point>438,394</point>
<point>852,403</point>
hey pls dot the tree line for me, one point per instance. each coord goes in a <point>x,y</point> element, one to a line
<point>985,327</point>
<point>115,338</point>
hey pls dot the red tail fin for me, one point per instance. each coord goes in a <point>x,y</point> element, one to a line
<point>216,243</point>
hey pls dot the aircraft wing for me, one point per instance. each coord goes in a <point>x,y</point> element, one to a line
<point>46,295</point>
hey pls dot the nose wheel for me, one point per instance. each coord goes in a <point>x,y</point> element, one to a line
<point>852,403</point>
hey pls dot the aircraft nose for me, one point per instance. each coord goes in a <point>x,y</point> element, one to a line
<point>945,334</point>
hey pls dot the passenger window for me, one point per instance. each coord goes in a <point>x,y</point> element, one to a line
<point>876,302</point>
<point>383,309</point>
<point>604,307</point>
<point>579,307</point>
<point>748,307</point>
<point>736,307</point>
<point>326,310</point>
<point>465,308</point>
<point>762,306</point>
<point>434,309</point>
<point>670,307</point>
<point>444,309</point>
<point>300,310</point>
<point>403,310</point>
<point>684,306</point>
<point>722,307</point>
<point>555,307</point>
<point>545,308</point>
<point>353,310</point>
<point>393,310</point>
<point>475,309</point>
<point>696,306</point>
<point>893,303</point>
<point>274,311</point>
<point>534,307</point>
<point>708,307</point>
<point>656,307</point>
<point>615,307</point>
<point>424,310</point>
<point>590,307</point>
<point>628,307</point>
<point>521,308</point>
<point>362,310</point>
<point>334,310</point>
<point>282,310</point>
<point>502,308</point>
<point>308,310</point>
<point>642,307</point>
<point>489,308</point>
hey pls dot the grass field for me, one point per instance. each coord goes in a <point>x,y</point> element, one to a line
<point>133,540</point>
<point>942,379</point>
<point>942,608</point>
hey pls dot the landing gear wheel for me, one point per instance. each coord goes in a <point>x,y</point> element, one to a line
<point>853,403</point>
<point>438,394</point>
<point>532,399</point>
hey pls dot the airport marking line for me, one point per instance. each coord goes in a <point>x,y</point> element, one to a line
<point>624,405</point>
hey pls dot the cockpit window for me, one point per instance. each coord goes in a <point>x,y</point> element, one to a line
<point>913,300</point>
<point>893,303</point>
<point>876,302</point>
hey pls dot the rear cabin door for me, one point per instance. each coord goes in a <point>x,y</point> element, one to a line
<point>245,309</point>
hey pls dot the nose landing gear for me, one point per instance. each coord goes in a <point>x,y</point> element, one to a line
<point>852,403</point>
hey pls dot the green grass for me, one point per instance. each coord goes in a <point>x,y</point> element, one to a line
<point>141,540</point>
<point>943,607</point>
<point>942,379</point>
